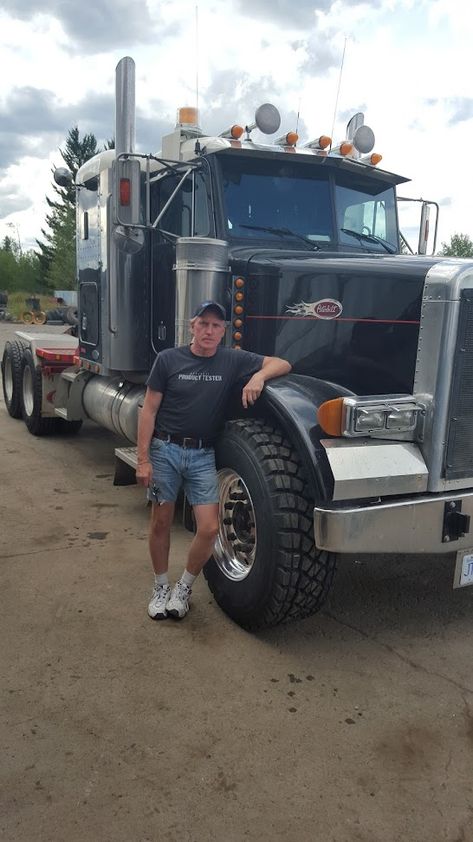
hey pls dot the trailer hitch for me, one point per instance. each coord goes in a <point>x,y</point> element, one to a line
<point>455,524</point>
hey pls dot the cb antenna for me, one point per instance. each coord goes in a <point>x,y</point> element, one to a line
<point>197,57</point>
<point>339,85</point>
<point>298,114</point>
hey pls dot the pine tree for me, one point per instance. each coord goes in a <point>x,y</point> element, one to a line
<point>57,249</point>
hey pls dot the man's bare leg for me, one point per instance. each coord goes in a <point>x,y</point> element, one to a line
<point>159,541</point>
<point>160,535</point>
<point>206,518</point>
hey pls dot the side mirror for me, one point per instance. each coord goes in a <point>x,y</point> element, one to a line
<point>63,177</point>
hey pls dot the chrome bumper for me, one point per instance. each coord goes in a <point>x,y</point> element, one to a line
<point>415,525</point>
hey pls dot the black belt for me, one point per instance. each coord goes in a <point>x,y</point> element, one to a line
<point>184,441</point>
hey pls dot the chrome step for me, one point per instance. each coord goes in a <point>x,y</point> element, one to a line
<point>70,375</point>
<point>128,455</point>
<point>126,459</point>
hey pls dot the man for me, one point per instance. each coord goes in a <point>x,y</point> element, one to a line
<point>183,411</point>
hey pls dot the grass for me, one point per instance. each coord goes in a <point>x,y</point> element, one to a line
<point>17,304</point>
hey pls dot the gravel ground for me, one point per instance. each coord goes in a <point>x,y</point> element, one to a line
<point>355,725</point>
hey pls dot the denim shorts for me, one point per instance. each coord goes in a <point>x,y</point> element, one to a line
<point>175,466</point>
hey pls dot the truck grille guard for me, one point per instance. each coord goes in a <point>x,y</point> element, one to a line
<point>444,374</point>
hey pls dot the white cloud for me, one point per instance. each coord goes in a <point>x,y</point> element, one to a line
<point>407,65</point>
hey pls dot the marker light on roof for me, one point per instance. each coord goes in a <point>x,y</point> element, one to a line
<point>346,148</point>
<point>234,132</point>
<point>289,139</point>
<point>372,159</point>
<point>321,142</point>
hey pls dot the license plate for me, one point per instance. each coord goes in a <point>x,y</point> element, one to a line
<point>463,569</point>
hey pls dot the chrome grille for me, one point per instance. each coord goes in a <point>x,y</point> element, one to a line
<point>459,452</point>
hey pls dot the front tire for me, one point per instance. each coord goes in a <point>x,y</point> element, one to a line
<point>11,378</point>
<point>265,569</point>
<point>32,398</point>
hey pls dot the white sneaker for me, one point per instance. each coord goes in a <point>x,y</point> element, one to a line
<point>159,601</point>
<point>178,604</point>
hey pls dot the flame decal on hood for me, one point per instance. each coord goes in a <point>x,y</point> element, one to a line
<point>326,308</point>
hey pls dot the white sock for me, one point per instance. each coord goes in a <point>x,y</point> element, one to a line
<point>188,578</point>
<point>161,579</point>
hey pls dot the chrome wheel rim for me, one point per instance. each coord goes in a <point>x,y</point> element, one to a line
<point>235,547</point>
<point>28,391</point>
<point>8,380</point>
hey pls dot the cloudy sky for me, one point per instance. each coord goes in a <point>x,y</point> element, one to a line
<point>407,66</point>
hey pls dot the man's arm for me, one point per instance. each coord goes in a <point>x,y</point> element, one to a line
<point>152,402</point>
<point>272,367</point>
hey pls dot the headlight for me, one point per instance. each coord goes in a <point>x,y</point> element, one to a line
<point>368,419</point>
<point>402,418</point>
<point>369,416</point>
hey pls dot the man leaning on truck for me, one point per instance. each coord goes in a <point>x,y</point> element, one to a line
<point>184,408</point>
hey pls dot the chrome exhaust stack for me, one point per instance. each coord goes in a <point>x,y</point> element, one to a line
<point>125,106</point>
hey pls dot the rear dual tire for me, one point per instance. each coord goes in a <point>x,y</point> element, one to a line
<point>23,392</point>
<point>32,398</point>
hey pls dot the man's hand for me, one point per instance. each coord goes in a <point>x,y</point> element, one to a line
<point>252,390</point>
<point>144,473</point>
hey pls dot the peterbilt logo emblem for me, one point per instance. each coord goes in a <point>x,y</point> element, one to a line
<point>326,308</point>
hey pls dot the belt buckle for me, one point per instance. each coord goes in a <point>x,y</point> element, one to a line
<point>186,440</point>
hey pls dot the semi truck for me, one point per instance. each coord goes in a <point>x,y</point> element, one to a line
<point>366,446</point>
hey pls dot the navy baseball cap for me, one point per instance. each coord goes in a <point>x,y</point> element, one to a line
<point>211,305</point>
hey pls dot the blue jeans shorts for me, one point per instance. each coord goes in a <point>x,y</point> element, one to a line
<point>175,466</point>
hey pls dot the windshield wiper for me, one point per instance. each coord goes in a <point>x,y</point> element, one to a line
<point>370,238</point>
<point>282,232</point>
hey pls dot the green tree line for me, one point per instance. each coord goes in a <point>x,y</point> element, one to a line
<point>460,245</point>
<point>19,270</point>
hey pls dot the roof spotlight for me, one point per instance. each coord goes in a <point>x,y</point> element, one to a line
<point>360,135</point>
<point>267,119</point>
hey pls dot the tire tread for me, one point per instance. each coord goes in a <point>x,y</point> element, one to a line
<point>303,574</point>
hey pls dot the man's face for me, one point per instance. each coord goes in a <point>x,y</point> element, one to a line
<point>208,330</point>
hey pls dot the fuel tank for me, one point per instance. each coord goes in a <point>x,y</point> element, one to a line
<point>350,320</point>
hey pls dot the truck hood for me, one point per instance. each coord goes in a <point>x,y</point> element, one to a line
<point>351,320</point>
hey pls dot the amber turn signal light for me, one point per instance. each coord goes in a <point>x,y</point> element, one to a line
<point>329,416</point>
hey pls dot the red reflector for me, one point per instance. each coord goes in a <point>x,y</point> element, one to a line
<point>125,191</point>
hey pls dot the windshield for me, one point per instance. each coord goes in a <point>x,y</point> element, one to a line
<point>265,198</point>
<point>291,202</point>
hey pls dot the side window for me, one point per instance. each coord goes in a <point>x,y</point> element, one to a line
<point>188,213</point>
<point>366,218</point>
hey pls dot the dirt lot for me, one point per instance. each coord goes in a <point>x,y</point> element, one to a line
<point>353,726</point>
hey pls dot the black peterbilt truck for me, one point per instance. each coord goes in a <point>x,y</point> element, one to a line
<point>366,446</point>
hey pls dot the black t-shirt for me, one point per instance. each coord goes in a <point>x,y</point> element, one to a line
<point>196,389</point>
